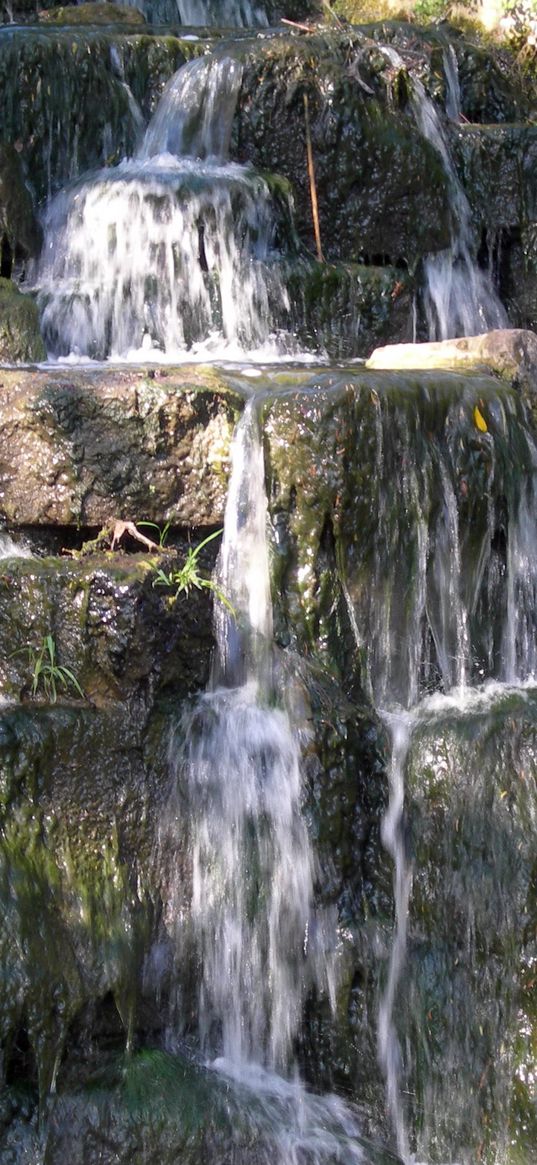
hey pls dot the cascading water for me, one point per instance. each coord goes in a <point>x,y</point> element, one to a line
<point>203,13</point>
<point>236,760</point>
<point>459,296</point>
<point>443,557</point>
<point>172,252</point>
<point>453,88</point>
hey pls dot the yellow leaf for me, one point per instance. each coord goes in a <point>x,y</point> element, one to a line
<point>479,421</point>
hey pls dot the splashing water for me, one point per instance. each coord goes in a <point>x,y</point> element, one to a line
<point>236,760</point>
<point>170,251</point>
<point>460,299</point>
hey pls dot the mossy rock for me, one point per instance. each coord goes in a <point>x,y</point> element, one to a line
<point>380,185</point>
<point>335,442</point>
<point>63,97</point>
<point>340,309</point>
<point>93,13</point>
<point>467,998</point>
<point>119,636</point>
<point>20,338</point>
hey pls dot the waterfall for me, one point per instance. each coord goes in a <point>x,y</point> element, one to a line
<point>451,607</point>
<point>469,594</point>
<point>252,865</point>
<point>195,113</point>
<point>459,296</point>
<point>172,252</point>
<point>203,13</point>
<point>400,728</point>
<point>232,13</point>
<point>237,780</point>
<point>453,89</point>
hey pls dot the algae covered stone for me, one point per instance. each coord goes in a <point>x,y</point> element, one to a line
<point>93,13</point>
<point>20,338</point>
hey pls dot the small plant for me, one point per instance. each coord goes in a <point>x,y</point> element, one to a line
<point>48,674</point>
<point>188,576</point>
<point>162,532</point>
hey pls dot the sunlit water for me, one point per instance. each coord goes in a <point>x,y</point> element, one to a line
<point>236,759</point>
<point>174,252</point>
<point>459,296</point>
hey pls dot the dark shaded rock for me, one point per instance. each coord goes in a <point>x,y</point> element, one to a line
<point>120,636</point>
<point>20,338</point>
<point>498,166</point>
<point>20,233</point>
<point>74,892</point>
<point>64,100</point>
<point>152,1107</point>
<point>493,88</point>
<point>78,448</point>
<point>342,309</point>
<point>370,161</point>
<point>344,759</point>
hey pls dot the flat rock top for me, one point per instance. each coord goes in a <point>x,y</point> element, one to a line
<point>78,445</point>
<point>504,350</point>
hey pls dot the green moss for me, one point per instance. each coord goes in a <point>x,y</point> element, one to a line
<point>20,338</point>
<point>93,13</point>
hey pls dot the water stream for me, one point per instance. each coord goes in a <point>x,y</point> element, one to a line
<point>250,917</point>
<point>172,253</point>
<point>459,296</point>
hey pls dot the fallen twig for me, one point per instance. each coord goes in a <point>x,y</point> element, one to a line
<point>313,188</point>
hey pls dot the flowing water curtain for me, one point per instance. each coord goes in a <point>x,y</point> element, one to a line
<point>451,555</point>
<point>172,250</point>
<point>459,296</point>
<point>203,13</point>
<point>238,781</point>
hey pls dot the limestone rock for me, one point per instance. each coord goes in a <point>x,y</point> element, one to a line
<point>507,351</point>
<point>78,448</point>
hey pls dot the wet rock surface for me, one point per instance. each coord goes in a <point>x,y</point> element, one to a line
<point>20,233</point>
<point>20,337</point>
<point>341,309</point>
<point>473,925</point>
<point>369,158</point>
<point>84,782</point>
<point>80,96</point>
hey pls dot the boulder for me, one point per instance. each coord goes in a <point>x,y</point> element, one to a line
<point>78,448</point>
<point>510,352</point>
<point>380,185</point>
